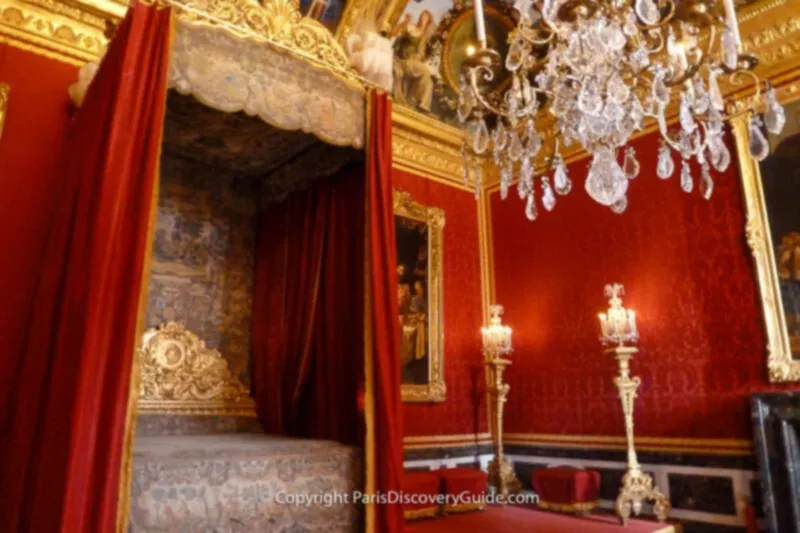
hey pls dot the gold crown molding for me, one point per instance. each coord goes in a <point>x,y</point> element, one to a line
<point>5,90</point>
<point>180,375</point>
<point>53,29</point>
<point>427,147</point>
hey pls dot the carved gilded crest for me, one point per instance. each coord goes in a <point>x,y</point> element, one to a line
<point>424,335</point>
<point>180,375</point>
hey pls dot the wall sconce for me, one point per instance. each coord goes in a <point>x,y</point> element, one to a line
<point>618,328</point>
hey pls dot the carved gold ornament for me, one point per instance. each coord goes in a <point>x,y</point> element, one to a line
<point>781,366</point>
<point>435,390</point>
<point>5,89</point>
<point>180,375</point>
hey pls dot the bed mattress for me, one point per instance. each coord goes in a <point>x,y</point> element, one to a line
<point>236,483</point>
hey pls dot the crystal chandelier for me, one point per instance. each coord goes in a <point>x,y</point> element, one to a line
<point>592,72</point>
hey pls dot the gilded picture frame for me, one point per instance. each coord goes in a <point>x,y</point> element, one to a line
<point>432,389</point>
<point>782,366</point>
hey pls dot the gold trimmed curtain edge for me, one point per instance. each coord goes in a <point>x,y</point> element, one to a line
<point>126,464</point>
<point>369,392</point>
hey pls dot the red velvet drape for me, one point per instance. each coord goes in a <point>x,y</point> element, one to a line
<point>307,311</point>
<point>63,445</point>
<point>384,407</point>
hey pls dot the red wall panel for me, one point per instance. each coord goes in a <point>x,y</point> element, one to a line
<point>464,411</point>
<point>687,272</point>
<point>36,123</point>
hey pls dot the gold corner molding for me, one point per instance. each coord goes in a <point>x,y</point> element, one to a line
<point>435,390</point>
<point>781,366</point>
<point>5,91</point>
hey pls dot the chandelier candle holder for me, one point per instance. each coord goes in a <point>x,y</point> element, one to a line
<point>592,72</point>
<point>496,346</point>
<point>619,332</point>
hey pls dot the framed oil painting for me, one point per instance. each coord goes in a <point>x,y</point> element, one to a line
<point>772,196</point>
<point>419,293</point>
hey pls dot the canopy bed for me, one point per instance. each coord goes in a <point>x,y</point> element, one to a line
<point>222,153</point>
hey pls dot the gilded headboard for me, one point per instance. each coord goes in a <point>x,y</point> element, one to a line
<point>180,375</point>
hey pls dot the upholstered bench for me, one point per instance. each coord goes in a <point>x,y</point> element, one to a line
<point>424,487</point>
<point>464,489</point>
<point>567,489</point>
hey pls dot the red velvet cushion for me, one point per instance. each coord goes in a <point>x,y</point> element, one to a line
<point>566,485</point>
<point>421,483</point>
<point>458,480</point>
<point>467,485</point>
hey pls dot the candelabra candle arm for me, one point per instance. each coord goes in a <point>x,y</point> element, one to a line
<point>695,67</point>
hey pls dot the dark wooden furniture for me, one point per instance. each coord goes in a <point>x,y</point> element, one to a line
<point>776,425</point>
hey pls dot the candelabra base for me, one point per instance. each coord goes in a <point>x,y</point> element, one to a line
<point>638,487</point>
<point>504,479</point>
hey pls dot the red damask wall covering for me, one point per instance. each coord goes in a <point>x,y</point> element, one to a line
<point>464,411</point>
<point>687,272</point>
<point>36,123</point>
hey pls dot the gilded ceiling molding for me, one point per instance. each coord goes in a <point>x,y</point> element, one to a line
<point>5,89</point>
<point>62,31</point>
<point>427,147</point>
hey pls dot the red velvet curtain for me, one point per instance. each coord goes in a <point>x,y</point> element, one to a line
<point>307,311</point>
<point>383,403</point>
<point>63,450</point>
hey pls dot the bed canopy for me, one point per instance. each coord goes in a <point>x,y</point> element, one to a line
<point>268,62</point>
<point>67,466</point>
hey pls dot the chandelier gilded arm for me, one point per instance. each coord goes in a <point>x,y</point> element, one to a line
<point>598,69</point>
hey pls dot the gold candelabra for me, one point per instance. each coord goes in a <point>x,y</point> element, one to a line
<point>496,345</point>
<point>619,327</point>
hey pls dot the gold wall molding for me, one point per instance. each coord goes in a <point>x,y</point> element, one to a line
<point>696,446</point>
<point>435,390</point>
<point>5,91</point>
<point>651,444</point>
<point>421,442</point>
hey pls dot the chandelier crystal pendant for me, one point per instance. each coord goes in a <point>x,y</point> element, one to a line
<point>592,72</point>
